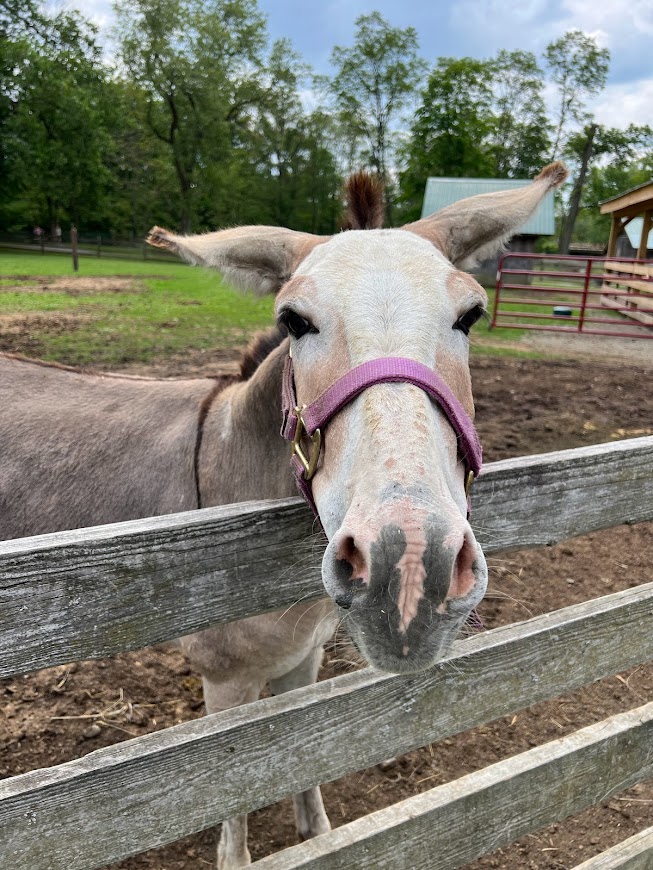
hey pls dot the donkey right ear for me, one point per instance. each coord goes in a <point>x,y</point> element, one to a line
<point>261,259</point>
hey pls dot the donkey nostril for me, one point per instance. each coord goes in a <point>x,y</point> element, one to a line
<point>348,552</point>
<point>464,578</point>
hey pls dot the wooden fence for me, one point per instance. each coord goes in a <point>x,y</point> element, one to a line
<point>628,287</point>
<point>95,592</point>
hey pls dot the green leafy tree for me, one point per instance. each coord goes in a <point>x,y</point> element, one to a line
<point>375,80</point>
<point>300,168</point>
<point>321,179</point>
<point>143,187</point>
<point>451,133</point>
<point>19,18</point>
<point>584,148</point>
<point>53,122</point>
<point>199,66</point>
<point>279,129</point>
<point>519,132</point>
<point>579,69</point>
<point>605,182</point>
<point>280,168</point>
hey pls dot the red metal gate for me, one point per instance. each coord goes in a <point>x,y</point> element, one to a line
<point>589,295</point>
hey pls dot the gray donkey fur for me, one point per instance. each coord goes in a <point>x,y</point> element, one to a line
<point>84,449</point>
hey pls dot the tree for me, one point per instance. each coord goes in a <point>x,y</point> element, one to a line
<point>281,168</point>
<point>19,18</point>
<point>280,130</point>
<point>374,81</point>
<point>199,66</point>
<point>52,125</point>
<point>142,187</point>
<point>590,144</point>
<point>519,131</point>
<point>579,68</point>
<point>451,132</point>
<point>605,182</point>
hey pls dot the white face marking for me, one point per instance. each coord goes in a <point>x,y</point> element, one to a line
<point>371,294</point>
<point>390,457</point>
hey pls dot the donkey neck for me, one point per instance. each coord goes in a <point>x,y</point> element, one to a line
<point>243,455</point>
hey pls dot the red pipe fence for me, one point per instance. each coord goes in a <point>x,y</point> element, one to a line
<point>563,293</point>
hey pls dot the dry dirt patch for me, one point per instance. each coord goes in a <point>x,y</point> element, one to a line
<point>592,347</point>
<point>24,333</point>
<point>75,286</point>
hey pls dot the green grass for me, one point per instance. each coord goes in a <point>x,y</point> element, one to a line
<point>28,263</point>
<point>182,308</point>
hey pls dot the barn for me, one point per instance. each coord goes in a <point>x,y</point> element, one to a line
<point>441,192</point>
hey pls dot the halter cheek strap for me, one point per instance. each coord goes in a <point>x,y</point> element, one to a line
<point>308,421</point>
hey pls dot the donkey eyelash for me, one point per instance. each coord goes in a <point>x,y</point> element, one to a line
<point>467,320</point>
<point>296,325</point>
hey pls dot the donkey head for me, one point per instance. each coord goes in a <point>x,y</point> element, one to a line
<point>402,559</point>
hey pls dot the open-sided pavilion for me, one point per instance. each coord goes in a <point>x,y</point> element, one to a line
<point>634,203</point>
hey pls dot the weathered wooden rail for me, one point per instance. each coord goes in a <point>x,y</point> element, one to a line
<point>158,578</point>
<point>628,287</point>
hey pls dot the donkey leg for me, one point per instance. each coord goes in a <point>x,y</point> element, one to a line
<point>218,696</point>
<point>310,816</point>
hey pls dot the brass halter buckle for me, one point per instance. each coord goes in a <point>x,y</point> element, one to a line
<point>469,480</point>
<point>310,462</point>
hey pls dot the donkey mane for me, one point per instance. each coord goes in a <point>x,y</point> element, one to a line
<point>364,198</point>
<point>259,348</point>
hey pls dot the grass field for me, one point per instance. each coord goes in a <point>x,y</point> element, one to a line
<point>152,310</point>
<point>115,312</point>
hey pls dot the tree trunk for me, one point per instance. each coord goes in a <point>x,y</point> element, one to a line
<point>185,194</point>
<point>567,227</point>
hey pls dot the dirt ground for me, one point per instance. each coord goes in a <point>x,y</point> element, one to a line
<point>524,406</point>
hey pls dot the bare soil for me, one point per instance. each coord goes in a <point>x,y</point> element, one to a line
<point>23,332</point>
<point>75,286</point>
<point>524,406</point>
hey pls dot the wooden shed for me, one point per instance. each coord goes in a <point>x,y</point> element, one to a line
<point>631,285</point>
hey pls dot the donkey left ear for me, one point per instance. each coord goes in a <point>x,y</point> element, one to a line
<point>261,259</point>
<point>472,229</point>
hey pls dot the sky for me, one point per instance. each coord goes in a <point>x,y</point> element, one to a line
<point>479,28</point>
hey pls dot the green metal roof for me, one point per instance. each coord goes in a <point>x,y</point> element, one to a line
<point>445,191</point>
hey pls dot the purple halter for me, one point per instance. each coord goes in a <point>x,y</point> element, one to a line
<point>309,420</point>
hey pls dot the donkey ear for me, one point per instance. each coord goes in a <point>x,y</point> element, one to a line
<point>261,259</point>
<point>473,229</point>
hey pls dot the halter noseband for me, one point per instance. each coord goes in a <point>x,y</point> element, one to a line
<point>309,420</point>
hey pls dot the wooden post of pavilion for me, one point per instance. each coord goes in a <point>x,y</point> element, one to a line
<point>615,230</point>
<point>646,229</point>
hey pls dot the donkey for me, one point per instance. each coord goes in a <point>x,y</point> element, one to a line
<point>372,387</point>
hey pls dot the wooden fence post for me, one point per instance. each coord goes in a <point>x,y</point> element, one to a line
<point>73,244</point>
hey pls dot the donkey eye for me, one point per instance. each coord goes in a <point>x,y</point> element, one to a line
<point>465,323</point>
<point>295,323</point>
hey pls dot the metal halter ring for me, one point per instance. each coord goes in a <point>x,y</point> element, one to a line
<point>310,462</point>
<point>469,480</point>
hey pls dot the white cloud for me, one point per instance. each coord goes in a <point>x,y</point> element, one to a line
<point>623,104</point>
<point>618,20</point>
<point>622,26</point>
<point>494,15</point>
<point>99,12</point>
